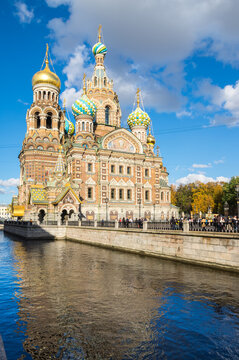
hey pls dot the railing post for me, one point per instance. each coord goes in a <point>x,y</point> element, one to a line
<point>116,224</point>
<point>79,222</point>
<point>186,226</point>
<point>95,223</point>
<point>145,225</point>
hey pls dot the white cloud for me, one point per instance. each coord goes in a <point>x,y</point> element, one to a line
<point>9,182</point>
<point>70,95</point>
<point>183,113</point>
<point>24,14</point>
<point>190,178</point>
<point>2,191</point>
<point>223,101</point>
<point>220,161</point>
<point>201,166</point>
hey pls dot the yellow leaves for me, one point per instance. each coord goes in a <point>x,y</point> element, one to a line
<point>173,195</point>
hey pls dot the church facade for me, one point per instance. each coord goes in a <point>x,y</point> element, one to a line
<point>94,169</point>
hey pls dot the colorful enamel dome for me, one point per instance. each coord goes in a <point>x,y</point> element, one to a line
<point>69,127</point>
<point>99,48</point>
<point>138,118</point>
<point>84,106</point>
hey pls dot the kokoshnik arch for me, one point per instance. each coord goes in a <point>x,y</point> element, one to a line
<point>94,165</point>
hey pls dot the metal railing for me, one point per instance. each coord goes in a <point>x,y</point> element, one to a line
<point>218,227</point>
<point>87,223</point>
<point>137,224</point>
<point>164,225</point>
<point>104,223</point>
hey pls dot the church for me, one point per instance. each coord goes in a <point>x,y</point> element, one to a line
<point>91,168</point>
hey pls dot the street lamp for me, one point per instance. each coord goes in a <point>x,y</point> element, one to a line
<point>139,202</point>
<point>154,211</point>
<point>106,208</point>
<point>237,190</point>
<point>226,208</point>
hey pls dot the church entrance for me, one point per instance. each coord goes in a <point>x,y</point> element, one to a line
<point>41,216</point>
<point>65,215</point>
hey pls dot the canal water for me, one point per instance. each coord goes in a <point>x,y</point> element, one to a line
<point>65,300</point>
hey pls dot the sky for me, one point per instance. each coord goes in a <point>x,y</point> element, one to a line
<point>182,54</point>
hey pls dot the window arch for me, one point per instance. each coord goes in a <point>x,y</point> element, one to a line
<point>49,120</point>
<point>38,119</point>
<point>107,115</point>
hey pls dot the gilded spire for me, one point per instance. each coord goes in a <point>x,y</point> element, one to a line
<point>99,33</point>
<point>84,86</point>
<point>138,101</point>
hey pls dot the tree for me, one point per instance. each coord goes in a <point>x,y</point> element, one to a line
<point>173,195</point>
<point>230,195</point>
<point>202,199</point>
<point>184,197</point>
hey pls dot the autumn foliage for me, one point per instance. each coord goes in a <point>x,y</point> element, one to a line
<point>199,197</point>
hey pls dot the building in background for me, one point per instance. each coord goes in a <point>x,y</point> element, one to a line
<point>4,211</point>
<point>94,169</point>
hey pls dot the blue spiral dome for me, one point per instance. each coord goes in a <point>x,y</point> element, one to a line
<point>84,106</point>
<point>69,127</point>
<point>99,48</point>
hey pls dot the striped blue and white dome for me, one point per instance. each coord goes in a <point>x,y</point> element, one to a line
<point>69,127</point>
<point>99,48</point>
<point>84,106</point>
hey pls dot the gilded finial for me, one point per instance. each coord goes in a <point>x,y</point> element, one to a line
<point>46,56</point>
<point>99,33</point>
<point>84,86</point>
<point>138,101</point>
<point>64,103</point>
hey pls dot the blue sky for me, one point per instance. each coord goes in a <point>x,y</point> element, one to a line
<point>183,55</point>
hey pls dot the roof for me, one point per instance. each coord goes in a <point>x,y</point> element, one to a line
<point>38,195</point>
<point>18,210</point>
<point>63,194</point>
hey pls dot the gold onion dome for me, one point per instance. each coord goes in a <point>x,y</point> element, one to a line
<point>46,76</point>
<point>150,139</point>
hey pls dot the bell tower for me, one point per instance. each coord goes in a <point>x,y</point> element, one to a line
<point>45,129</point>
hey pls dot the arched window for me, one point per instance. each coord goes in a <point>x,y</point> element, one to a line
<point>83,126</point>
<point>49,120</point>
<point>107,115</point>
<point>53,97</point>
<point>105,81</point>
<point>95,81</point>
<point>161,196</point>
<point>39,95</point>
<point>49,94</point>
<point>38,120</point>
<point>44,95</point>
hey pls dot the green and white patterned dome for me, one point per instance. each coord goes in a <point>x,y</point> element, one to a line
<point>138,117</point>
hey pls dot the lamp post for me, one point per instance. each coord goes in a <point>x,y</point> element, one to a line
<point>139,202</point>
<point>237,190</point>
<point>106,208</point>
<point>226,208</point>
<point>154,211</point>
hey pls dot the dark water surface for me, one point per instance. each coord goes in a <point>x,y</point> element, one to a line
<point>64,300</point>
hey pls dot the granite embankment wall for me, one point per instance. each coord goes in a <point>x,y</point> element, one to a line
<point>212,249</point>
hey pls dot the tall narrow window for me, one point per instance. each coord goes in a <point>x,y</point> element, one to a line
<point>128,170</point>
<point>146,172</point>
<point>83,126</point>
<point>89,167</point>
<point>49,120</point>
<point>147,195</point>
<point>90,193</point>
<point>112,193</point>
<point>161,196</point>
<point>128,194</point>
<point>38,120</point>
<point>121,169</point>
<point>107,115</point>
<point>112,169</point>
<point>95,81</point>
<point>121,194</point>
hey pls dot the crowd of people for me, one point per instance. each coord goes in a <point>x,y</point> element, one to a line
<point>128,222</point>
<point>219,223</point>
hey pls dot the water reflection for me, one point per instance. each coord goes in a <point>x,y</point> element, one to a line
<point>81,302</point>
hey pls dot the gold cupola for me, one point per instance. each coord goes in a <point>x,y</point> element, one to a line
<point>46,76</point>
<point>150,138</point>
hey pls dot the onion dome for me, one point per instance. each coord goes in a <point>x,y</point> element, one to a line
<point>99,47</point>
<point>46,76</point>
<point>84,106</point>
<point>69,127</point>
<point>150,139</point>
<point>138,117</point>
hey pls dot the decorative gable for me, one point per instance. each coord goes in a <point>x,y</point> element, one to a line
<point>122,140</point>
